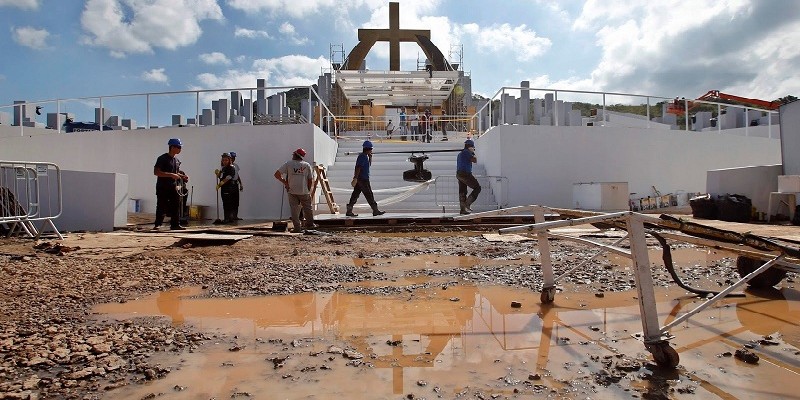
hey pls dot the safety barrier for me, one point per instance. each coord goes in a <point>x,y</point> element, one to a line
<point>30,194</point>
<point>494,192</point>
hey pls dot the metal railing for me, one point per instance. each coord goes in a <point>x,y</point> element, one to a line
<point>17,109</point>
<point>494,192</point>
<point>30,193</point>
<point>479,114</point>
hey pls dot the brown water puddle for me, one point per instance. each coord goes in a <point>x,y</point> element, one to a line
<point>463,336</point>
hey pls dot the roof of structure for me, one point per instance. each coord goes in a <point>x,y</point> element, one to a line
<point>398,88</point>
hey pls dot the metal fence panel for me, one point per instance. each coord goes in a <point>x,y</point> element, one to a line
<point>30,193</point>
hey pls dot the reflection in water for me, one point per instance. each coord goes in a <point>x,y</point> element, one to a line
<point>457,335</point>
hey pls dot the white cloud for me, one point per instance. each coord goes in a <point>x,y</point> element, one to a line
<point>288,30</point>
<point>31,37</point>
<point>155,75</point>
<point>137,26</point>
<point>290,70</point>
<point>29,4</point>
<point>523,43</point>
<point>250,34</point>
<point>292,8</point>
<point>745,47</point>
<point>214,58</point>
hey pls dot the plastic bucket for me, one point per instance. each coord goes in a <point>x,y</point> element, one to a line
<point>197,213</point>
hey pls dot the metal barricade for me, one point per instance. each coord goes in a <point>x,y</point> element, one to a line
<point>30,197</point>
<point>494,192</point>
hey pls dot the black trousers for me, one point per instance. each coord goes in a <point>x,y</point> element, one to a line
<point>228,203</point>
<point>466,179</point>
<point>236,203</point>
<point>363,186</point>
<point>167,203</point>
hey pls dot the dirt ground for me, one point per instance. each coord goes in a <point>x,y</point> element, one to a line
<point>443,312</point>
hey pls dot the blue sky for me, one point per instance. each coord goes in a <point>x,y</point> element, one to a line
<point>78,48</point>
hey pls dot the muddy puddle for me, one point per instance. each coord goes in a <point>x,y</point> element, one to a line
<point>467,341</point>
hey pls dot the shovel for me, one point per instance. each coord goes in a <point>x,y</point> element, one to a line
<point>217,221</point>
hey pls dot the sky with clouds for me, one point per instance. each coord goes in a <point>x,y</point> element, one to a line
<point>67,49</point>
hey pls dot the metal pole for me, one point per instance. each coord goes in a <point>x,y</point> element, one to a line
<point>686,114</point>
<point>544,250</point>
<point>604,109</point>
<point>503,107</point>
<point>148,111</point>
<point>644,280</point>
<point>58,114</point>
<point>746,123</point>
<point>197,108</point>
<point>648,111</point>
<point>102,114</point>
<point>555,106</point>
<point>719,118</point>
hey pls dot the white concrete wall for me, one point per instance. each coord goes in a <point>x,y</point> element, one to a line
<point>261,149</point>
<point>95,201</point>
<point>790,140</point>
<point>754,182</point>
<point>542,162</point>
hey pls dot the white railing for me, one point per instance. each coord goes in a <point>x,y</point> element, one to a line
<point>148,100</point>
<point>480,113</point>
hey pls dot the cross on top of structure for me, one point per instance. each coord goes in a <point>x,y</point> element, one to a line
<point>394,35</point>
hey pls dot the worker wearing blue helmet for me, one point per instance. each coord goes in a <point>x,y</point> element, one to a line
<point>361,182</point>
<point>169,180</point>
<point>465,178</point>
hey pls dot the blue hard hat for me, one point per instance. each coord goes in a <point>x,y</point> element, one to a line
<point>367,144</point>
<point>175,142</point>
<point>233,154</point>
<point>469,143</point>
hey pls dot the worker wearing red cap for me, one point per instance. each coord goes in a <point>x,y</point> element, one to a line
<point>296,177</point>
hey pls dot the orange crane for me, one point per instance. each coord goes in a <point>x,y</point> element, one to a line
<point>678,106</point>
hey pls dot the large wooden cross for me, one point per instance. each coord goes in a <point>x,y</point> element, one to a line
<point>394,35</point>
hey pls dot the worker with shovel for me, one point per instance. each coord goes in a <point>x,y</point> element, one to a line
<point>169,176</point>
<point>296,177</point>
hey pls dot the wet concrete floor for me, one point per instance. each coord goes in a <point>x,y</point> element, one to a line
<point>466,339</point>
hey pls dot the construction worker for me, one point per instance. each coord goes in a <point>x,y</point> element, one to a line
<point>389,129</point>
<point>228,187</point>
<point>297,178</point>
<point>361,182</point>
<point>168,171</point>
<point>239,186</point>
<point>465,178</point>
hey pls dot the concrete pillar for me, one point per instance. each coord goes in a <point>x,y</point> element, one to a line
<point>101,115</point>
<point>20,113</point>
<point>525,103</point>
<point>261,99</point>
<point>548,103</point>
<point>209,117</point>
<point>538,111</point>
<point>223,111</point>
<point>247,110</point>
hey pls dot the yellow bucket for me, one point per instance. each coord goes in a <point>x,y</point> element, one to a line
<point>197,213</point>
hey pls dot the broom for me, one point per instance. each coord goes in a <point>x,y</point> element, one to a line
<point>217,221</point>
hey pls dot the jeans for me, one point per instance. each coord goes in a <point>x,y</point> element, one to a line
<point>466,179</point>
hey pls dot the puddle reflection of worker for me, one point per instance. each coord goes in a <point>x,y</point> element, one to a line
<point>168,304</point>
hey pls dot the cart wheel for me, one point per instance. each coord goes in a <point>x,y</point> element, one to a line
<point>548,295</point>
<point>766,279</point>
<point>664,355</point>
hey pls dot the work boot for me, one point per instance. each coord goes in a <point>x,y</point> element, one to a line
<point>349,212</point>
<point>465,211</point>
<point>377,212</point>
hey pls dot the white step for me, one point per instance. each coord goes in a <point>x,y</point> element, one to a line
<point>386,172</point>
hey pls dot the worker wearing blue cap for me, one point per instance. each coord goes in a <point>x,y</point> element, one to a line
<point>361,183</point>
<point>168,171</point>
<point>465,178</point>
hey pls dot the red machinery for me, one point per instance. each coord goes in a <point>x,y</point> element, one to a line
<point>678,106</point>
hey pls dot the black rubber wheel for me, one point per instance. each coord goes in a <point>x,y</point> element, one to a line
<point>664,355</point>
<point>766,279</point>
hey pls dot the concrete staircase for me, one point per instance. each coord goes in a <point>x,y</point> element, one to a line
<point>386,172</point>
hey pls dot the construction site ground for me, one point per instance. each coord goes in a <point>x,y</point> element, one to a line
<point>377,311</point>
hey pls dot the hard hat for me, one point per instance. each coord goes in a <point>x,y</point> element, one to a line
<point>226,155</point>
<point>300,152</point>
<point>469,143</point>
<point>233,154</point>
<point>367,144</point>
<point>175,142</point>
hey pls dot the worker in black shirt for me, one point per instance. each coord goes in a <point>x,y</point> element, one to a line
<point>228,189</point>
<point>168,171</point>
